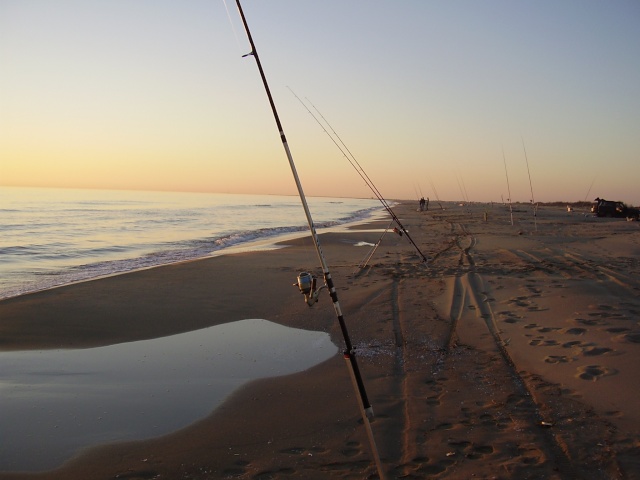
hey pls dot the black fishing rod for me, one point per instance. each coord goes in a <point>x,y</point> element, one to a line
<point>358,168</point>
<point>306,282</point>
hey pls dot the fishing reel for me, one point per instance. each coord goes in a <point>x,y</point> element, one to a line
<point>307,285</point>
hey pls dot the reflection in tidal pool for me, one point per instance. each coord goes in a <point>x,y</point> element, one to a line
<point>54,403</point>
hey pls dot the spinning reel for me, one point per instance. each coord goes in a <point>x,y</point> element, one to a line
<point>307,285</point>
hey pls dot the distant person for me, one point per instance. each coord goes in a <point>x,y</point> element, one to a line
<point>427,205</point>
<point>422,203</point>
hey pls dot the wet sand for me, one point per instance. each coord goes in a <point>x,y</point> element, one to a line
<point>513,354</point>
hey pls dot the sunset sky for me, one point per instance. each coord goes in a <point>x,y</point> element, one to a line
<point>155,95</point>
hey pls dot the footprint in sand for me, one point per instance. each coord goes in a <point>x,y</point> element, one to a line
<point>270,474</point>
<point>430,470</point>
<point>352,449</point>
<point>509,316</point>
<point>535,308</point>
<point>541,342</point>
<point>633,337</point>
<point>596,351</point>
<point>548,329</point>
<point>594,372</point>
<point>558,359</point>
<point>574,331</point>
<point>479,451</point>
<point>469,450</point>
<point>587,349</point>
<point>589,322</point>
<point>520,301</point>
<point>606,313</point>
<point>601,307</point>
<point>444,426</point>
<point>616,329</point>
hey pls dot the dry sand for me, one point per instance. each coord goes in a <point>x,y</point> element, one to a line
<point>513,354</point>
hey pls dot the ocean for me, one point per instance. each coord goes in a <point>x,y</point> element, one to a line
<point>51,237</point>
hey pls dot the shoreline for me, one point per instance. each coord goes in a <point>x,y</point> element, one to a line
<point>256,245</point>
<point>511,354</point>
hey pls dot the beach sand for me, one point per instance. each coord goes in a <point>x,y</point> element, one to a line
<point>514,353</point>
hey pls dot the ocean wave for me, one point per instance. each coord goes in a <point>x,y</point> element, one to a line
<point>119,241</point>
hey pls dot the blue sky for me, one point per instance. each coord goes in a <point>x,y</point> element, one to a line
<point>156,95</point>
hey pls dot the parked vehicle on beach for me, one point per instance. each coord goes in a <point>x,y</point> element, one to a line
<point>608,208</point>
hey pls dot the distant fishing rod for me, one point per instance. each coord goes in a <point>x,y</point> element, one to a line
<point>508,187</point>
<point>589,191</point>
<point>358,168</point>
<point>464,198</point>
<point>306,282</point>
<point>533,202</point>
<point>433,187</point>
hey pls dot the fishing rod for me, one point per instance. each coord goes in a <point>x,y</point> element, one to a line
<point>416,191</point>
<point>433,187</point>
<point>464,187</point>
<point>369,255</point>
<point>306,282</point>
<point>464,199</point>
<point>508,187</point>
<point>535,207</point>
<point>423,204</point>
<point>358,168</point>
<point>589,191</point>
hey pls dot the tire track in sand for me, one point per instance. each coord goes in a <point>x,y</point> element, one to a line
<point>467,292</point>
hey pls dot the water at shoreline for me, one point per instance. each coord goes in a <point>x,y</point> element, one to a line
<point>57,402</point>
<point>53,237</point>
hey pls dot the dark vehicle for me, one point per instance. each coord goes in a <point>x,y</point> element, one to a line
<point>608,208</point>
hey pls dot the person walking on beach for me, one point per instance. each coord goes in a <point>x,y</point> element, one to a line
<point>422,204</point>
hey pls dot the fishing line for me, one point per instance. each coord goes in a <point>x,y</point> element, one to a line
<point>358,168</point>
<point>233,28</point>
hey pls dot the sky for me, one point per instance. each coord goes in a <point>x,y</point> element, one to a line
<point>433,98</point>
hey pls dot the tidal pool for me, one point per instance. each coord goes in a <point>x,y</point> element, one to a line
<point>54,403</point>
